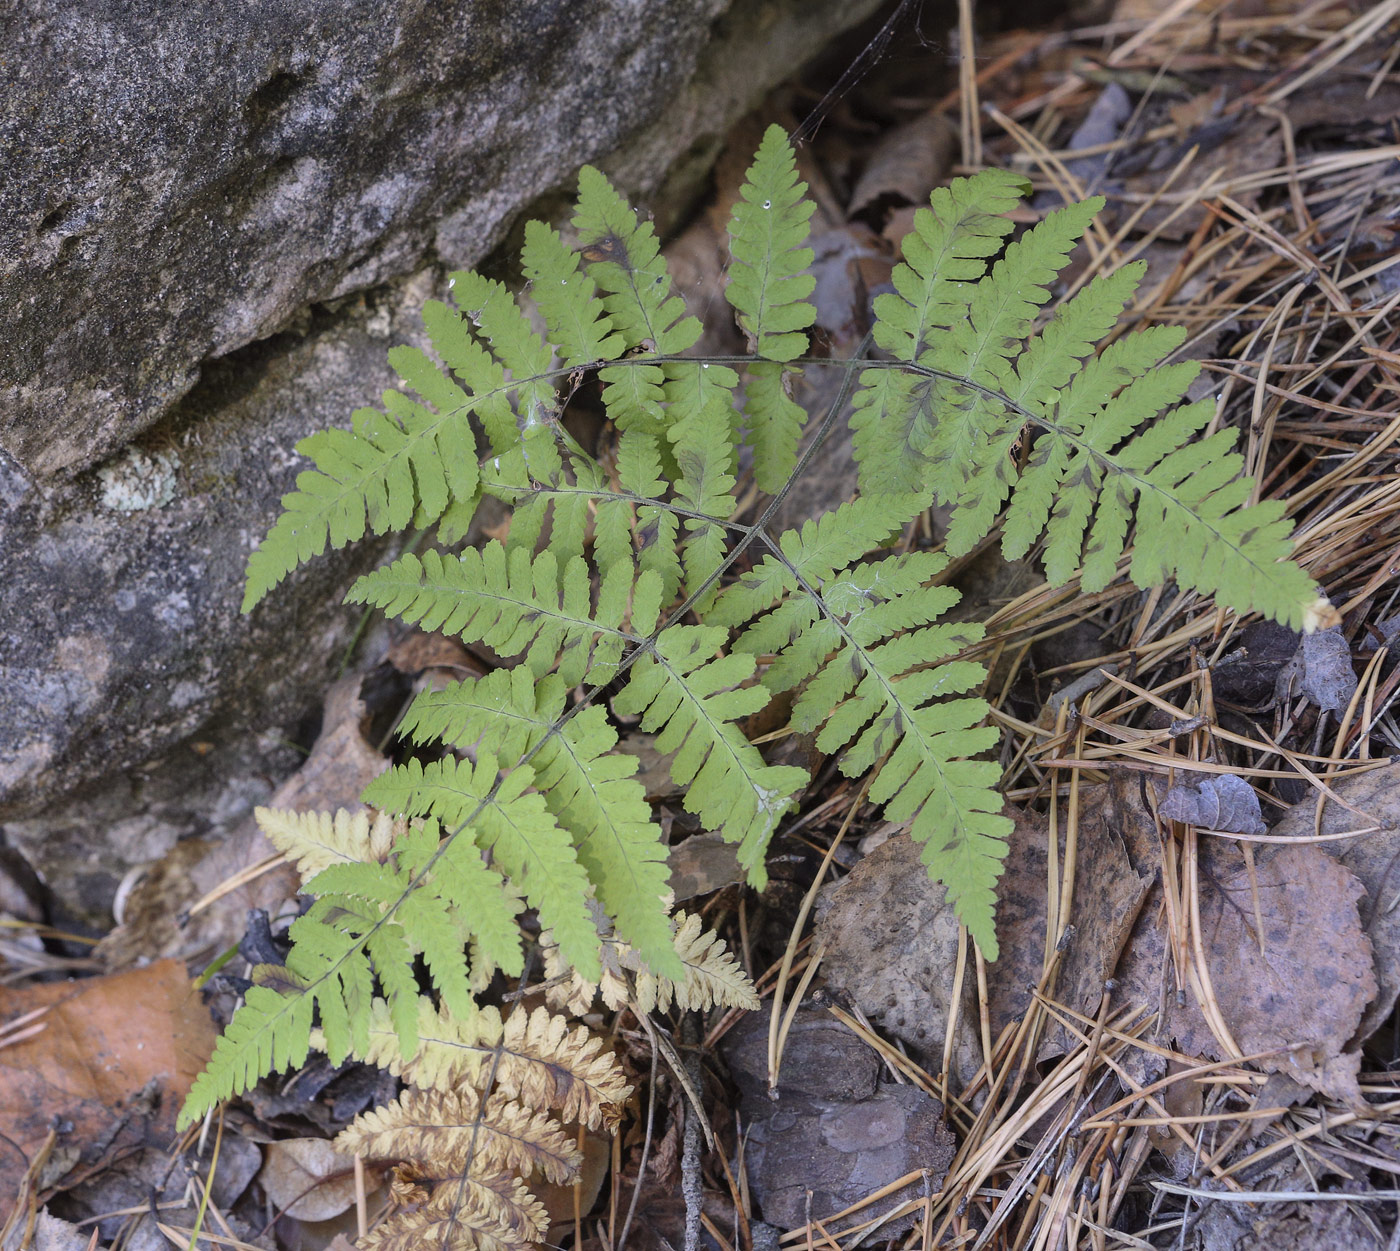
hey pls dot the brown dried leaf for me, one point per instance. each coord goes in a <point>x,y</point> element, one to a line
<point>1108,895</point>
<point>1329,678</point>
<point>1375,860</point>
<point>418,651</point>
<point>307,1178</point>
<point>701,865</point>
<point>891,942</point>
<point>538,1059</point>
<point>891,937</point>
<point>544,1064</point>
<point>1300,997</point>
<point>104,1041</point>
<point>907,163</point>
<point>1221,801</point>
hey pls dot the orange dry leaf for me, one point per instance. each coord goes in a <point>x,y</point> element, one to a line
<point>105,1039</point>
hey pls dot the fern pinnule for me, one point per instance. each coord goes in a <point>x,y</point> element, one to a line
<point>512,602</point>
<point>709,975</point>
<point>313,841</point>
<point>579,327</point>
<point>768,288</point>
<point>269,1033</point>
<point>690,700</point>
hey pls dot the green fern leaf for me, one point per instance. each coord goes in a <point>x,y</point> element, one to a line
<point>589,789</point>
<point>269,1033</point>
<point>623,257</point>
<point>514,341</point>
<point>578,327</point>
<point>365,480</point>
<point>690,701</point>
<point>768,288</point>
<point>703,438</point>
<point>768,229</point>
<point>513,824</point>
<point>862,639</point>
<point>980,350</point>
<point>511,603</point>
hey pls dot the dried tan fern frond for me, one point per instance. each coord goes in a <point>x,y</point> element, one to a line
<point>313,841</point>
<point>466,1215</point>
<point>546,1064</point>
<point>446,1134</point>
<point>712,976</point>
<point>542,1063</point>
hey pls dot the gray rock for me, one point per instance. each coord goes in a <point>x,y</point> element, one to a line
<point>182,179</point>
<point>833,1135</point>
<point>123,642</point>
<point>212,226</point>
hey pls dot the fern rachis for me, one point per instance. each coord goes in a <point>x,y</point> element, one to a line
<point>633,589</point>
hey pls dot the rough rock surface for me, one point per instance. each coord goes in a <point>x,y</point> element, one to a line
<point>212,228</point>
<point>123,644</point>
<point>834,1134</point>
<point>182,179</point>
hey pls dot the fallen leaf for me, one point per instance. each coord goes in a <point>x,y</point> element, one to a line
<point>1298,991</point>
<point>891,938</point>
<point>907,163</point>
<point>49,1234</point>
<point>1250,677</point>
<point>1222,801</point>
<point>1102,124</point>
<point>558,1199</point>
<point>702,864</point>
<point>1375,860</point>
<point>1108,895</point>
<point>105,1040</point>
<point>1329,678</point>
<point>891,942</point>
<point>418,650</point>
<point>307,1178</point>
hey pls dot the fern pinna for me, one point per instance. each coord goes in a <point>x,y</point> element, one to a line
<point>635,588</point>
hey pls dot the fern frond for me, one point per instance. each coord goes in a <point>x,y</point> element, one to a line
<point>863,641</point>
<point>270,1032</point>
<point>981,348</point>
<point>385,472</point>
<point>690,701</point>
<point>701,430</point>
<point>768,282</point>
<point>539,1061</point>
<point>713,977</point>
<point>511,602</point>
<point>768,288</point>
<point>512,822</point>
<point>313,841</point>
<point>623,257</point>
<point>448,1133</point>
<point>469,1215</point>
